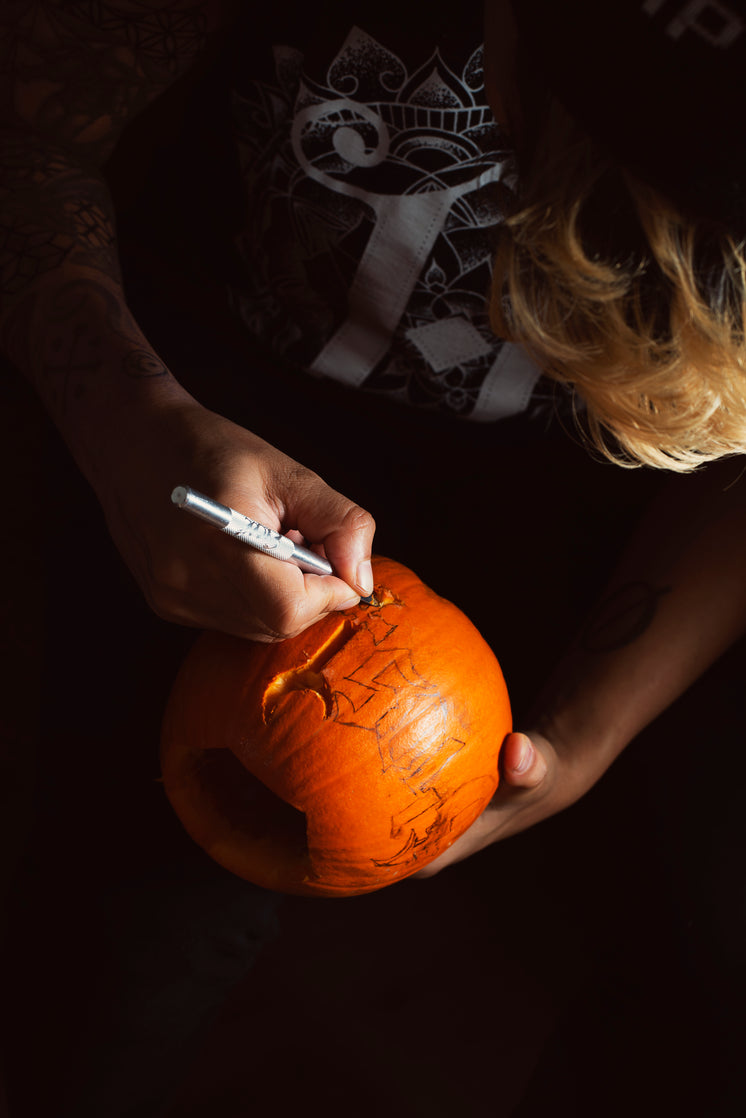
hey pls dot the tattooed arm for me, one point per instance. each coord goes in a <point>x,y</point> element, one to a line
<point>675,604</point>
<point>75,72</point>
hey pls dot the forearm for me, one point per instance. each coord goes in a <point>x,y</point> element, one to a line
<point>64,320</point>
<point>676,602</point>
<point>76,77</point>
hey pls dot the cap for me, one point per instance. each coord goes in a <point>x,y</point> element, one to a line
<point>661,84</point>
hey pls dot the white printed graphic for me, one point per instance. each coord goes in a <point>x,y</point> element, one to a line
<point>448,342</point>
<point>375,220</point>
<point>406,227</point>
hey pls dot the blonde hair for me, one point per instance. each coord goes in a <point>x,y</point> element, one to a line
<point>640,310</point>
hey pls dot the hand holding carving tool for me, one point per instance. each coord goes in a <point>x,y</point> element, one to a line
<point>249,531</point>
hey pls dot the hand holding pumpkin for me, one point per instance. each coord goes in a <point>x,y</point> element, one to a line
<point>190,573</point>
<point>531,789</point>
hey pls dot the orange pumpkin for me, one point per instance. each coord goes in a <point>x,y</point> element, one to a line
<point>343,759</point>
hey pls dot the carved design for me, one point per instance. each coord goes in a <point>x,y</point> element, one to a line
<point>416,760</point>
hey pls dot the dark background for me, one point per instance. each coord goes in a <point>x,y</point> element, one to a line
<point>593,965</point>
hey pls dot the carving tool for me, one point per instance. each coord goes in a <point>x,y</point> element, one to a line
<point>249,531</point>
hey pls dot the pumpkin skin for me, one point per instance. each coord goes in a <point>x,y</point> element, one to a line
<point>346,758</point>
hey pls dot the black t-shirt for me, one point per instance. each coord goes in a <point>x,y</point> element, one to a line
<point>373,177</point>
<point>339,181</point>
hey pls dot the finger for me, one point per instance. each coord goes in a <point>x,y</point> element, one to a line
<point>480,834</point>
<point>523,765</point>
<point>284,600</point>
<point>346,531</point>
<point>227,586</point>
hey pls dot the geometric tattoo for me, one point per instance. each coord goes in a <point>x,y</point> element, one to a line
<point>622,617</point>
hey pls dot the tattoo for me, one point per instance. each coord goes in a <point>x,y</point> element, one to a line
<point>168,35</point>
<point>49,211</point>
<point>88,333</point>
<point>79,69</point>
<point>622,617</point>
<point>72,74</point>
<point>141,363</point>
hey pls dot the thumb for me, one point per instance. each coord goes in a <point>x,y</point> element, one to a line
<point>346,532</point>
<point>523,765</point>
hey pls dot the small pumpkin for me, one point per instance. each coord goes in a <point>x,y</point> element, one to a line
<point>346,758</point>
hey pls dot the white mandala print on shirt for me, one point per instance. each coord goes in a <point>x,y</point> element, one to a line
<point>368,243</point>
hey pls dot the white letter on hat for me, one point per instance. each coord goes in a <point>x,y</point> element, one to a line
<point>687,18</point>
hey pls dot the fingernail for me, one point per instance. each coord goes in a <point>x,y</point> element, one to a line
<point>526,757</point>
<point>365,578</point>
<point>351,603</point>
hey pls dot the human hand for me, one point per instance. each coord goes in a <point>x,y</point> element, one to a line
<point>194,575</point>
<point>537,779</point>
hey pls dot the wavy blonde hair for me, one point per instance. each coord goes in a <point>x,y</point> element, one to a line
<point>614,292</point>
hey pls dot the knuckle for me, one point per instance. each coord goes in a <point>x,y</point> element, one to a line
<point>284,623</point>
<point>360,520</point>
<point>163,598</point>
<point>167,599</point>
<point>168,610</point>
<point>297,478</point>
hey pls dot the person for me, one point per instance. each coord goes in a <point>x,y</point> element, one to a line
<point>127,419</point>
<point>619,273</point>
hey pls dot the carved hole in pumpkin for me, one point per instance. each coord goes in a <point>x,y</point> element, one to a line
<point>382,596</point>
<point>309,676</point>
<point>236,800</point>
